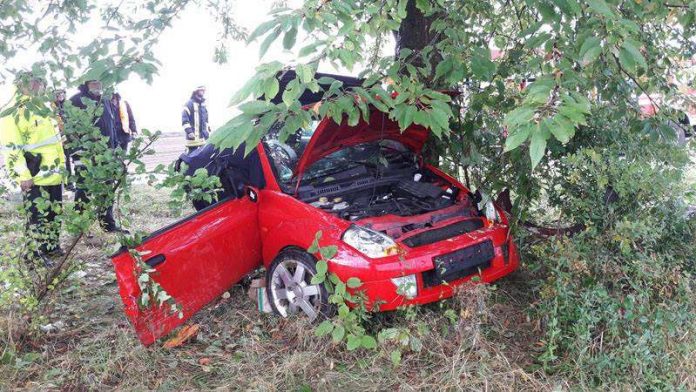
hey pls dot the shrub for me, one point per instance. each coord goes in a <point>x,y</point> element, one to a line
<point>618,298</point>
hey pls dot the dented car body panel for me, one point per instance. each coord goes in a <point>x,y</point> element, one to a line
<point>444,243</point>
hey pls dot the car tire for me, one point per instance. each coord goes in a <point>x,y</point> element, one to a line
<point>289,288</point>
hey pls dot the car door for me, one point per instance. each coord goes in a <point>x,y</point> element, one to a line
<point>195,260</point>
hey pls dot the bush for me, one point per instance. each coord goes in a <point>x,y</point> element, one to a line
<point>618,298</point>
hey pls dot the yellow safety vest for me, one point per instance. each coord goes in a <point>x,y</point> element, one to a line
<point>123,114</point>
<point>36,135</point>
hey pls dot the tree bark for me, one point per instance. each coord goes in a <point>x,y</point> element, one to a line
<point>415,34</point>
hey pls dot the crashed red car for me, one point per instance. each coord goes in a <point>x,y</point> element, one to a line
<point>408,231</point>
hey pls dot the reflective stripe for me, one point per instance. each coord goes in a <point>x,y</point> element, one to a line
<point>186,109</point>
<point>28,147</point>
<point>196,120</point>
<point>123,114</point>
<point>185,126</point>
<point>47,173</point>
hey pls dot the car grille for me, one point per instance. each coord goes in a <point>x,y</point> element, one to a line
<point>442,233</point>
<point>460,263</point>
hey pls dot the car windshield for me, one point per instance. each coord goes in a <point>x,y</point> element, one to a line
<point>285,156</point>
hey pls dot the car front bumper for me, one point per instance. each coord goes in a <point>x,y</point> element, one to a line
<point>381,293</point>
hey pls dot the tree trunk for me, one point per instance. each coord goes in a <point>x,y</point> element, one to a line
<point>415,34</point>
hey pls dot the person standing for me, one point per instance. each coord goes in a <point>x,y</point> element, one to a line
<point>194,119</point>
<point>125,122</point>
<point>34,156</point>
<point>91,91</point>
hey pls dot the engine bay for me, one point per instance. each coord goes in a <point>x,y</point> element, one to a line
<point>400,194</point>
<point>395,185</point>
<point>374,184</point>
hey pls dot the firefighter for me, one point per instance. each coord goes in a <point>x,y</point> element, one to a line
<point>34,156</point>
<point>92,91</point>
<point>125,122</point>
<point>194,119</point>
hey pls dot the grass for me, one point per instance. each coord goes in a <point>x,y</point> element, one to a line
<point>480,340</point>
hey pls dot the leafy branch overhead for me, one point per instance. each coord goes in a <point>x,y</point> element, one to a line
<point>574,55</point>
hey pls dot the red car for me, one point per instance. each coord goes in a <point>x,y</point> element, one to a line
<point>408,231</point>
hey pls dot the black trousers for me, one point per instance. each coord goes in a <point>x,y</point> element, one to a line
<point>43,226</point>
<point>106,215</point>
<point>123,143</point>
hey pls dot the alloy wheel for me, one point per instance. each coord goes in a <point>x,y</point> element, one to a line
<point>292,291</point>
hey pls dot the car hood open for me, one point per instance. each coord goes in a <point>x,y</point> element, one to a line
<point>330,137</point>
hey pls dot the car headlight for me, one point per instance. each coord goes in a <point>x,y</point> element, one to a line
<point>371,243</point>
<point>406,286</point>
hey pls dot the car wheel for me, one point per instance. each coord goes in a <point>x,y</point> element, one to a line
<point>289,287</point>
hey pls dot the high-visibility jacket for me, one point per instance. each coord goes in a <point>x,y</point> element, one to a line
<point>37,135</point>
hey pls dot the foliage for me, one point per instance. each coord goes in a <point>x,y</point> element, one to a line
<point>348,325</point>
<point>186,188</point>
<point>123,47</point>
<point>618,298</point>
<point>353,324</point>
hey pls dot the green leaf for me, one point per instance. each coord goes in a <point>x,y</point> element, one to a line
<point>627,61</point>
<point>600,7</point>
<point>290,37</point>
<point>353,342</point>
<point>268,41</point>
<point>368,342</point>
<point>590,50</point>
<point>521,115</point>
<point>560,128</point>
<point>481,64</point>
<point>262,29</point>
<point>443,68</point>
<point>517,136</point>
<point>327,252</point>
<point>311,48</point>
<point>254,108</point>
<point>338,333</point>
<point>322,267</point>
<point>395,357</point>
<point>324,328</point>
<point>537,40</point>
<point>271,87</point>
<point>632,51</point>
<point>537,148</point>
<point>305,73</point>
<point>354,283</point>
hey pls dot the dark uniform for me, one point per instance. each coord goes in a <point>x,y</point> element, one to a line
<point>194,120</point>
<point>107,126</point>
<point>125,121</point>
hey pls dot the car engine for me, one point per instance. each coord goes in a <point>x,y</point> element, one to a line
<point>361,192</point>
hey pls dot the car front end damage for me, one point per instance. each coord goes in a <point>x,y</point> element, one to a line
<point>430,263</point>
